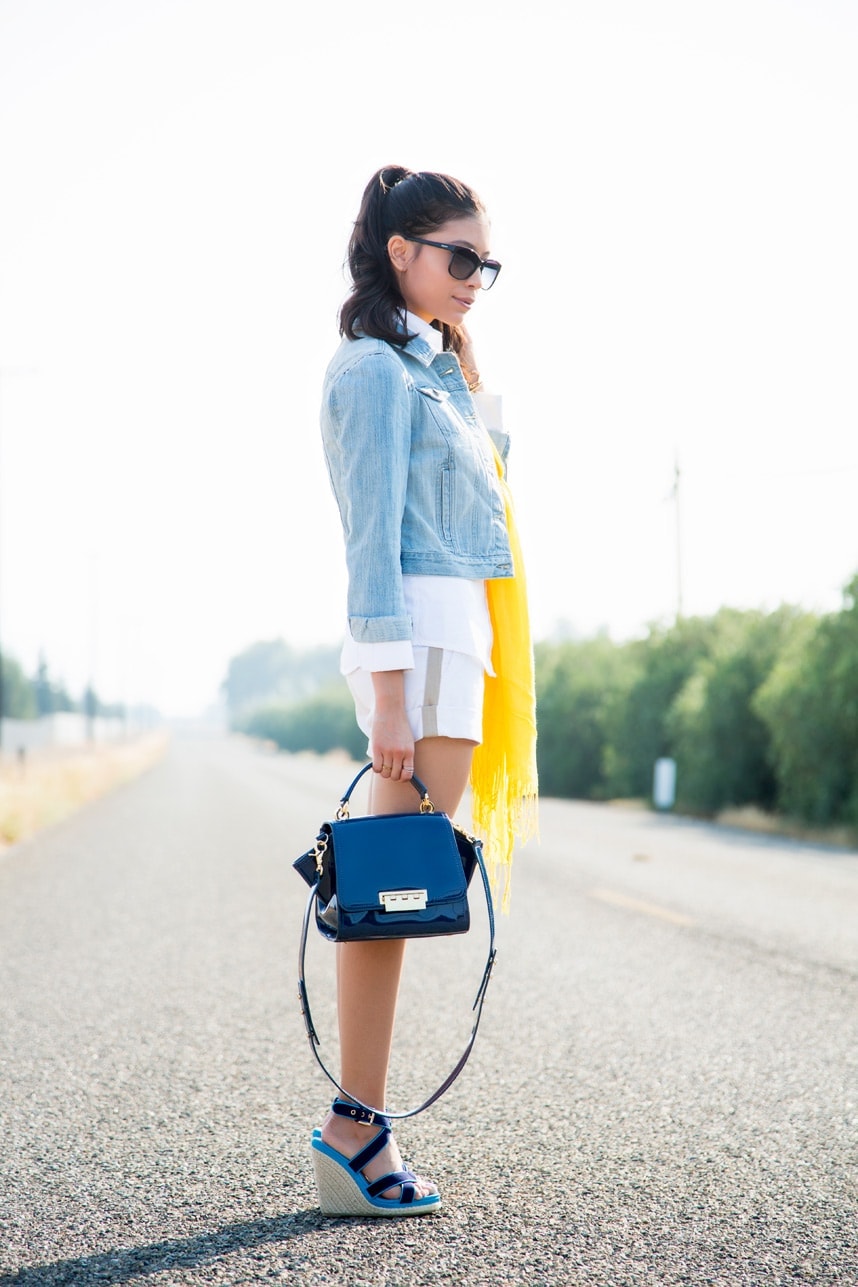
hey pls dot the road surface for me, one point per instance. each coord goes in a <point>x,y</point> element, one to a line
<point>664,1090</point>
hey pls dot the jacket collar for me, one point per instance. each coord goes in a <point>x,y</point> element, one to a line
<point>427,343</point>
<point>420,349</point>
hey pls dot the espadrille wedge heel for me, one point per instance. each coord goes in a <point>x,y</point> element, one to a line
<point>345,1191</point>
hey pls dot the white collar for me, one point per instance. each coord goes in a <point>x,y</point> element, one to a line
<point>426,332</point>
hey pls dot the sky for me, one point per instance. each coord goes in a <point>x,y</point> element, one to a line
<point>673,194</point>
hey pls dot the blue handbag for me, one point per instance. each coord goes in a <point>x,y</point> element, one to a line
<point>401,875</point>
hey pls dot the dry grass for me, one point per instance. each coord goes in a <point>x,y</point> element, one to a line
<point>52,784</point>
<point>749,818</point>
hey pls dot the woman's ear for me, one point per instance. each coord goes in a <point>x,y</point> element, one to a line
<point>400,252</point>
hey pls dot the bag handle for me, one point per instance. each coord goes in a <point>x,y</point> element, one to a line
<point>426,805</point>
<point>478,1001</point>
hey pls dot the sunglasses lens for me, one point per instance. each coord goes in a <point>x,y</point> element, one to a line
<point>489,273</point>
<point>463,264</point>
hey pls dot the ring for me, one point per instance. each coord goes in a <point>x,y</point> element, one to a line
<point>386,766</point>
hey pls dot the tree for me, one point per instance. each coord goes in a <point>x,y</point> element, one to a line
<point>639,733</point>
<point>49,695</point>
<point>809,704</point>
<point>273,671</point>
<point>18,699</point>
<point>577,686</point>
<point>720,742</point>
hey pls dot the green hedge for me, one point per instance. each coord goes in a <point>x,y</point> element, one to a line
<point>755,708</point>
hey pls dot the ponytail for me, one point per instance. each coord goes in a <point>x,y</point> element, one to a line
<point>374,203</point>
<point>396,200</point>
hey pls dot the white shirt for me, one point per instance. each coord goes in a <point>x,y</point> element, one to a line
<point>446,611</point>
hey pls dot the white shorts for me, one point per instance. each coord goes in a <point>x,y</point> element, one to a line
<point>443,695</point>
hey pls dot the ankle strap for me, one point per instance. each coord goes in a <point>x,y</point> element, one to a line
<point>363,1116</point>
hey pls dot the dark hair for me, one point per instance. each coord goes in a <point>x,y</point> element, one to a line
<point>397,200</point>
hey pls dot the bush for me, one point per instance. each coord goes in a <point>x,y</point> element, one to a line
<point>325,722</point>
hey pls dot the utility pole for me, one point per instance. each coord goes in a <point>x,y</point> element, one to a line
<point>2,690</point>
<point>4,371</point>
<point>678,522</point>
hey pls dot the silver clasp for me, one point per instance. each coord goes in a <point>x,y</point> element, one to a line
<point>403,900</point>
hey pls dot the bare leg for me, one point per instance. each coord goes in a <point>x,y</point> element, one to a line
<point>367,987</point>
<point>368,973</point>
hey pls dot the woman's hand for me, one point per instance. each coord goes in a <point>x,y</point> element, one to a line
<point>392,740</point>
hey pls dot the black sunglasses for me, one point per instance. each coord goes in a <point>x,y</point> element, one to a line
<point>464,263</point>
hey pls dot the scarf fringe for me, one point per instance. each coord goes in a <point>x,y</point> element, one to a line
<point>503,770</point>
<point>506,814</point>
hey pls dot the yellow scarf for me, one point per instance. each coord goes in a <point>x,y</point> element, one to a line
<point>503,771</point>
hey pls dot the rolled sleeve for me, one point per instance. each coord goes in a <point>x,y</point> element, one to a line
<point>395,655</point>
<point>372,630</point>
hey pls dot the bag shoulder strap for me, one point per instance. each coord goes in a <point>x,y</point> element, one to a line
<point>477,1006</point>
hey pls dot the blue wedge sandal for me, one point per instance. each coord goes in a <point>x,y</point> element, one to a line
<point>345,1191</point>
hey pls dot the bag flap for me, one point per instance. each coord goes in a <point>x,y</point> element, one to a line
<point>396,851</point>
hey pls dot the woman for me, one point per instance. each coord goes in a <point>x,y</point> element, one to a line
<point>428,535</point>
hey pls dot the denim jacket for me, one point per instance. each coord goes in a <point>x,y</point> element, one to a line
<point>414,476</point>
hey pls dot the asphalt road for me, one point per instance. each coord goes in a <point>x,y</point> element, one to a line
<point>664,1090</point>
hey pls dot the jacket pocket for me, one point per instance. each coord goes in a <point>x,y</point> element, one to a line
<point>445,503</point>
